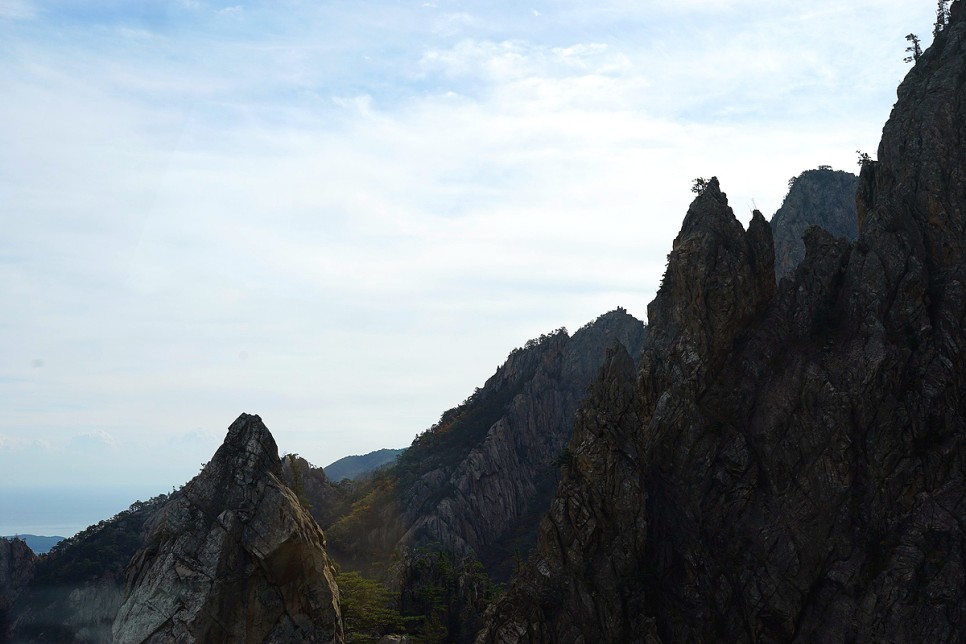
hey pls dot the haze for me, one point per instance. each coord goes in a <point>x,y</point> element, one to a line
<point>343,216</point>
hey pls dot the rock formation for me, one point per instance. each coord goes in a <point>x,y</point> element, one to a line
<point>790,465</point>
<point>498,481</point>
<point>473,487</point>
<point>233,558</point>
<point>821,197</point>
<point>16,569</point>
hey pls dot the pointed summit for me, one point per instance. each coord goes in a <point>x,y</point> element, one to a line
<point>718,277</point>
<point>233,557</point>
<point>710,213</point>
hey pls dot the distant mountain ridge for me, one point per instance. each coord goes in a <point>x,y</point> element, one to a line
<point>357,465</point>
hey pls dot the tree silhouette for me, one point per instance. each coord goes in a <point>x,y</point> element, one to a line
<point>942,17</point>
<point>914,50</point>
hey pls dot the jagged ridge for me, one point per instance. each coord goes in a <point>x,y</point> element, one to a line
<point>801,455</point>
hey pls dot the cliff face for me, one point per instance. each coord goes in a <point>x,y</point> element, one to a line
<point>16,569</point>
<point>466,497</point>
<point>487,470</point>
<point>790,465</point>
<point>822,197</point>
<point>510,473</point>
<point>77,588</point>
<point>233,558</point>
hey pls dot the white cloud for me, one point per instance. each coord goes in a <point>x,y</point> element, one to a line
<point>375,235</point>
<point>17,10</point>
<point>96,440</point>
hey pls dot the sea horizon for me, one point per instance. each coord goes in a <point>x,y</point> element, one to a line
<point>63,511</point>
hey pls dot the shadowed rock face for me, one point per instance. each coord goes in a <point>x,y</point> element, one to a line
<point>497,482</point>
<point>473,488</point>
<point>16,568</point>
<point>234,558</point>
<point>824,198</point>
<point>790,465</point>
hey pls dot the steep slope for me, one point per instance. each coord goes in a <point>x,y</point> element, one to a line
<point>821,197</point>
<point>17,562</point>
<point>77,588</point>
<point>470,490</point>
<point>787,467</point>
<point>234,558</point>
<point>489,463</point>
<point>468,504</point>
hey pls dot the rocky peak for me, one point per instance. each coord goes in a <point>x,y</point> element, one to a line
<point>233,558</point>
<point>710,215</point>
<point>821,197</point>
<point>715,281</point>
<point>798,460</point>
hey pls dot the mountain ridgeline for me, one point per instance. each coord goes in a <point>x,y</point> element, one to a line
<point>778,456</point>
<point>786,465</point>
<point>461,505</point>
<point>356,466</point>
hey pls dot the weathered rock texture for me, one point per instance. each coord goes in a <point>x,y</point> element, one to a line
<point>469,504</point>
<point>821,197</point>
<point>488,468</point>
<point>474,486</point>
<point>234,558</point>
<point>785,466</point>
<point>16,569</point>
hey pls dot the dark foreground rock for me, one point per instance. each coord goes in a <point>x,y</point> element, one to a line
<point>16,569</point>
<point>786,465</point>
<point>233,558</point>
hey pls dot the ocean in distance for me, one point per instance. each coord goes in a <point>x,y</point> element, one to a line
<point>63,511</point>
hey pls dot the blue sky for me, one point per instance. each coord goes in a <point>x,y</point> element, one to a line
<point>343,215</point>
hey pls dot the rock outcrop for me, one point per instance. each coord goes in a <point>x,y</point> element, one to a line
<point>510,473</point>
<point>16,569</point>
<point>821,197</point>
<point>790,465</point>
<point>233,558</point>
<point>471,489</point>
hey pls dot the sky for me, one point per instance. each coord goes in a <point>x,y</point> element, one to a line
<point>343,216</point>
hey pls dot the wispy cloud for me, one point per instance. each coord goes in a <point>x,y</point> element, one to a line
<point>16,10</point>
<point>343,216</point>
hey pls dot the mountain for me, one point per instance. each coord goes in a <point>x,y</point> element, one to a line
<point>821,197</point>
<point>233,558</point>
<point>786,464</point>
<point>40,545</point>
<point>463,502</point>
<point>353,467</point>
<point>17,562</point>
<point>76,589</point>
